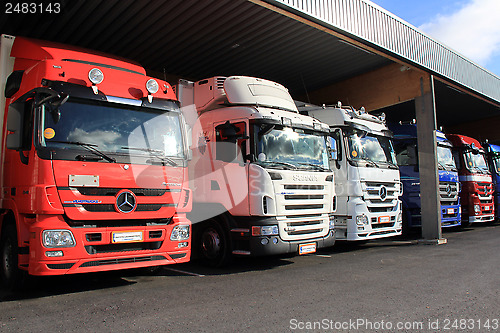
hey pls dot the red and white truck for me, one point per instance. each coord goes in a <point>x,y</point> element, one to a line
<point>93,164</point>
<point>476,195</point>
<point>260,172</point>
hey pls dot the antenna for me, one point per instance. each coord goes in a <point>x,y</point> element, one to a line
<point>305,88</point>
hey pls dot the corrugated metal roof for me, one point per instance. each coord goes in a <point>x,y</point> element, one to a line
<point>375,26</point>
<point>198,39</point>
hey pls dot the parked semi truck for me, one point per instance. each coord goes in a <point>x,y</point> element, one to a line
<point>93,164</point>
<point>405,142</point>
<point>260,173</point>
<point>476,195</point>
<point>367,181</point>
<point>493,156</point>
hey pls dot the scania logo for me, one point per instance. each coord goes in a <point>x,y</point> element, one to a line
<point>125,202</point>
<point>304,178</point>
<point>383,193</point>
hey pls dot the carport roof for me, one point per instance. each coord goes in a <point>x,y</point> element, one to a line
<point>198,39</point>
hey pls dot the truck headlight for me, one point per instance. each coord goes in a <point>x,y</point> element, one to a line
<point>266,230</point>
<point>180,233</point>
<point>58,238</point>
<point>361,219</point>
<point>477,209</point>
<point>400,217</point>
<point>269,230</point>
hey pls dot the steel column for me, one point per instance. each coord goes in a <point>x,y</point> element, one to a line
<point>425,110</point>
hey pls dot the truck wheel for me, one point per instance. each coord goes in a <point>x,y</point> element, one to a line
<point>213,244</point>
<point>12,277</point>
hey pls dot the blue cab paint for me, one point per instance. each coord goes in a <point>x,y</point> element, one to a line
<point>405,141</point>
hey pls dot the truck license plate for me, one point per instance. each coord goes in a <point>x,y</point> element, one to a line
<point>384,219</point>
<point>451,211</point>
<point>307,248</point>
<point>127,237</point>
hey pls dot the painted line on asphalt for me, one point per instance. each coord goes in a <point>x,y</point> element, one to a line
<point>323,255</point>
<point>184,272</point>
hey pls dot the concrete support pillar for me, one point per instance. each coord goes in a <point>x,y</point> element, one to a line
<point>425,110</point>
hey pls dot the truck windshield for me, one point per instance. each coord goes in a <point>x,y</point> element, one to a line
<point>445,158</point>
<point>112,128</point>
<point>476,162</point>
<point>291,148</point>
<point>496,163</point>
<point>375,149</point>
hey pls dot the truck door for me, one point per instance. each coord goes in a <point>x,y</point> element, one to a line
<point>230,181</point>
<point>338,163</point>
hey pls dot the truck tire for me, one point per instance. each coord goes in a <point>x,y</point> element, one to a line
<point>12,277</point>
<point>212,244</point>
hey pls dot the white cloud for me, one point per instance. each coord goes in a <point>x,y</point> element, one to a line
<point>473,30</point>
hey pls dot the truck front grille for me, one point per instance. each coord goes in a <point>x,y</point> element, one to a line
<point>485,191</point>
<point>379,200</point>
<point>448,192</point>
<point>111,208</point>
<point>108,191</point>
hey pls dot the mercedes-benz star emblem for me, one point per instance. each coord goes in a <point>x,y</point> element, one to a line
<point>126,202</point>
<point>383,193</point>
<point>448,190</point>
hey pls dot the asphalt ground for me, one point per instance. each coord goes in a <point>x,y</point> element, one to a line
<point>381,286</point>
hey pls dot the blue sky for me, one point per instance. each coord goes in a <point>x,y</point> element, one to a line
<point>471,27</point>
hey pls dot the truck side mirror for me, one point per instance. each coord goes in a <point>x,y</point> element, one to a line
<point>332,148</point>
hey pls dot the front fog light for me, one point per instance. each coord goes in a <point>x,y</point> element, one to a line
<point>361,219</point>
<point>58,238</point>
<point>180,233</point>
<point>183,244</point>
<point>331,225</point>
<point>477,209</point>
<point>269,230</point>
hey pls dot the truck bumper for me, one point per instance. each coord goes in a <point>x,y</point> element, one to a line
<point>104,248</point>
<point>450,216</point>
<point>482,218</point>
<point>378,224</point>
<point>273,245</point>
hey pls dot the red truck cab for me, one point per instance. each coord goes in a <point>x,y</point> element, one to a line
<point>476,195</point>
<point>93,164</point>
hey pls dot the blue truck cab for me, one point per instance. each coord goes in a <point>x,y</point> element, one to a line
<point>493,156</point>
<point>405,142</point>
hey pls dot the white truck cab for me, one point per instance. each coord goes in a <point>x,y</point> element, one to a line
<point>260,170</point>
<point>367,180</point>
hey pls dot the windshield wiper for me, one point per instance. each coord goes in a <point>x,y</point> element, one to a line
<point>90,147</point>
<point>315,166</point>
<point>289,165</point>
<point>366,159</point>
<point>441,166</point>
<point>154,153</point>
